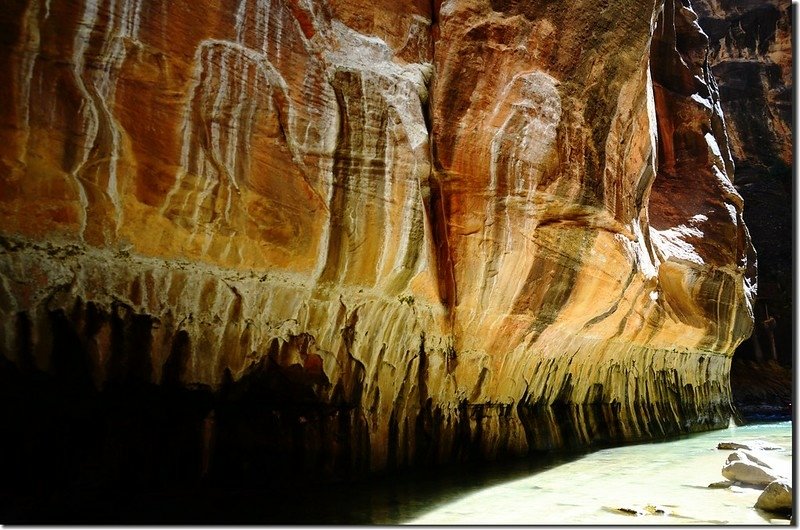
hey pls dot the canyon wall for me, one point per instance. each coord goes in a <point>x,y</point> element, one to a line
<point>373,234</point>
<point>751,57</point>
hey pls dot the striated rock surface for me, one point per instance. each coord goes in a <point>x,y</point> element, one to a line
<point>751,57</point>
<point>400,233</point>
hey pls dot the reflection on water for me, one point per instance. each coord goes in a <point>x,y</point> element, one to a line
<point>671,476</point>
<point>552,489</point>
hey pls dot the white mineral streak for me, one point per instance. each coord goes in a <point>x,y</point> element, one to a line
<point>240,21</point>
<point>122,26</point>
<point>400,89</point>
<point>519,150</point>
<point>361,52</point>
<point>210,172</point>
<point>218,168</point>
<point>30,54</point>
<point>447,8</point>
<point>87,110</point>
<point>259,29</point>
<point>97,86</point>
<point>410,141</point>
<point>406,97</point>
<point>386,199</point>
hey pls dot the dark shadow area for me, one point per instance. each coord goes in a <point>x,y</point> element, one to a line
<point>139,453</point>
<point>259,450</point>
<point>761,371</point>
<point>756,89</point>
<point>93,437</point>
<point>762,391</point>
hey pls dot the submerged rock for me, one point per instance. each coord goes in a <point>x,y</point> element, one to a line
<point>754,445</point>
<point>655,510</point>
<point>722,484</point>
<point>777,497</point>
<point>650,509</point>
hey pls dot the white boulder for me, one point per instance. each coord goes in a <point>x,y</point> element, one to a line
<point>742,466</point>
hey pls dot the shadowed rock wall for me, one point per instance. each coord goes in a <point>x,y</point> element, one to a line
<point>751,56</point>
<point>395,234</point>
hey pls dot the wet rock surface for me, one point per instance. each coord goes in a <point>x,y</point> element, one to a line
<point>722,484</point>
<point>650,509</point>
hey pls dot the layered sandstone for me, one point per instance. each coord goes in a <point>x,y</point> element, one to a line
<point>422,232</point>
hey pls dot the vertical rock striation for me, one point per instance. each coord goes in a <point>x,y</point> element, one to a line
<point>401,234</point>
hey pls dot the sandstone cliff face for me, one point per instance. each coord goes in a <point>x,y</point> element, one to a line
<point>418,232</point>
<point>751,55</point>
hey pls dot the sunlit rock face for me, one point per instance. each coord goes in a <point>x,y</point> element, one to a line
<point>416,233</point>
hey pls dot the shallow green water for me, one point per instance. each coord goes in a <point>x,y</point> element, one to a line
<point>673,475</point>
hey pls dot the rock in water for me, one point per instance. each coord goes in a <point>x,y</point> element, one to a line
<point>755,445</point>
<point>650,509</point>
<point>723,484</point>
<point>746,468</point>
<point>748,473</point>
<point>653,509</point>
<point>743,455</point>
<point>417,231</point>
<point>776,497</point>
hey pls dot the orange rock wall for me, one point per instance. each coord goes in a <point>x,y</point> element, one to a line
<point>490,224</point>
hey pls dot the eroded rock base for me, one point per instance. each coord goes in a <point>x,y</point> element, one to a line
<point>121,370</point>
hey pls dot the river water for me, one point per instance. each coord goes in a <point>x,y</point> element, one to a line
<point>672,475</point>
<point>548,489</point>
